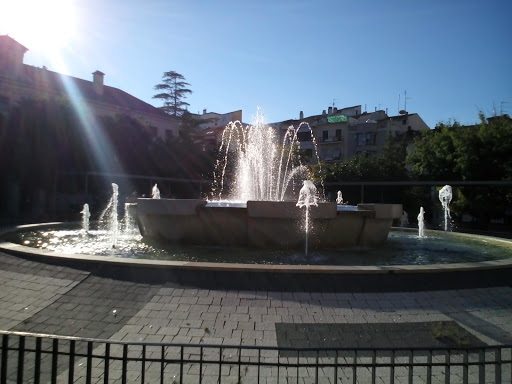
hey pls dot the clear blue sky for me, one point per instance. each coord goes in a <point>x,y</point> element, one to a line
<point>452,57</point>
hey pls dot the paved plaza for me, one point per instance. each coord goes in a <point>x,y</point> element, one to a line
<point>43,298</point>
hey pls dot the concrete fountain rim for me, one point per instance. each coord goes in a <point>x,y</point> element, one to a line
<point>46,255</point>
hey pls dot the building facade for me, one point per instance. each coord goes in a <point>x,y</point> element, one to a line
<point>214,119</point>
<point>212,126</point>
<point>19,80</point>
<point>340,134</point>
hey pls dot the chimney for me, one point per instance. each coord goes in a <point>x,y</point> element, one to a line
<point>329,111</point>
<point>97,81</point>
<point>204,111</point>
<point>301,115</point>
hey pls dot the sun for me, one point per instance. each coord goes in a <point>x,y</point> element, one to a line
<point>42,25</point>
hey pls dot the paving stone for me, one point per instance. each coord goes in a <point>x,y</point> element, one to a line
<point>42,298</point>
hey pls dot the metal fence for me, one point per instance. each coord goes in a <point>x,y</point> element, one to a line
<point>35,358</point>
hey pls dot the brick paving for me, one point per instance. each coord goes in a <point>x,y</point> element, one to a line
<point>43,298</point>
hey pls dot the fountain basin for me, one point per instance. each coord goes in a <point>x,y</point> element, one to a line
<point>265,224</point>
<point>287,277</point>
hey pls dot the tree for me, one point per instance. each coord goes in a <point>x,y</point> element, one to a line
<point>386,166</point>
<point>174,89</point>
<point>434,156</point>
<point>495,135</point>
<point>469,153</point>
<point>455,152</point>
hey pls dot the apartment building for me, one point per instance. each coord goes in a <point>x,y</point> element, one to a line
<point>340,134</point>
<point>19,80</point>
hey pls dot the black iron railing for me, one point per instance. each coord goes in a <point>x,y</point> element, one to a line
<point>35,358</point>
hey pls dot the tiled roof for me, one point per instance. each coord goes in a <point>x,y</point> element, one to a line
<point>7,40</point>
<point>59,83</point>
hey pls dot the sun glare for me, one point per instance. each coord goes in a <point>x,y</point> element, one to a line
<point>42,25</point>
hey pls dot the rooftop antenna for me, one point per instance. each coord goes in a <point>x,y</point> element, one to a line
<point>403,111</point>
<point>501,106</point>
<point>405,99</point>
<point>333,102</point>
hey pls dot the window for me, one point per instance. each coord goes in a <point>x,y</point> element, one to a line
<point>371,138</point>
<point>360,139</point>
<point>304,136</point>
<point>367,138</point>
<point>338,135</point>
<point>325,135</point>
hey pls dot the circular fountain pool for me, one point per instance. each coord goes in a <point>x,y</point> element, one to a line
<point>403,247</point>
<point>406,262</point>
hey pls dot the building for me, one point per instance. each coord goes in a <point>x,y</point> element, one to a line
<point>211,130</point>
<point>19,80</point>
<point>369,132</point>
<point>340,134</point>
<point>214,119</point>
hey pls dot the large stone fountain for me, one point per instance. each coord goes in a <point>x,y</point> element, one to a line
<point>258,208</point>
<point>265,224</point>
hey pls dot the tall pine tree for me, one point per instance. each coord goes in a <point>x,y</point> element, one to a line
<point>174,91</point>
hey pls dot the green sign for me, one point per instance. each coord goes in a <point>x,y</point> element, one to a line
<point>337,119</point>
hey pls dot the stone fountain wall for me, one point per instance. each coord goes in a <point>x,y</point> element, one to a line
<point>264,224</point>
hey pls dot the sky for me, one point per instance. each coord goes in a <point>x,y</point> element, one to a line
<point>446,60</point>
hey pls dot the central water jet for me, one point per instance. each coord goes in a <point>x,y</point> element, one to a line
<point>254,163</point>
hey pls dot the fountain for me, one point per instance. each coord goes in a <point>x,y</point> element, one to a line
<point>401,262</point>
<point>445,197</point>
<point>155,192</point>
<point>85,218</point>
<point>348,247</point>
<point>109,215</point>
<point>421,223</point>
<point>339,198</point>
<point>262,169</point>
<point>129,225</point>
<point>307,198</point>
<point>257,208</point>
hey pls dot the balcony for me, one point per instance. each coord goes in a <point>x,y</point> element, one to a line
<point>327,140</point>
